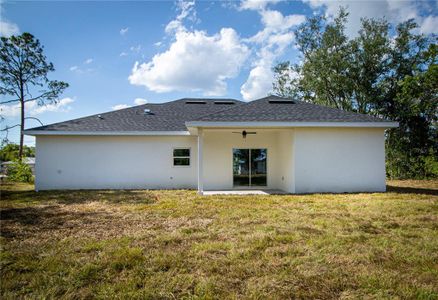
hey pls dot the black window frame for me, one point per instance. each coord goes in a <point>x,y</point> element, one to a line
<point>183,159</point>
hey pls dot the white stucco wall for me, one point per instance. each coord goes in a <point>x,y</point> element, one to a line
<point>300,160</point>
<point>102,162</point>
<point>286,161</point>
<point>339,160</point>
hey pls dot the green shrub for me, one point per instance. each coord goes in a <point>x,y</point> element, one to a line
<point>431,166</point>
<point>19,171</point>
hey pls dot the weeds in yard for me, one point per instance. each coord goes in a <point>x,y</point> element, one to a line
<point>176,244</point>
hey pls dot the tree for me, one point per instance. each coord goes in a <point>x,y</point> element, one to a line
<point>369,64</point>
<point>390,76</point>
<point>9,152</point>
<point>323,77</point>
<point>23,76</point>
<point>413,147</point>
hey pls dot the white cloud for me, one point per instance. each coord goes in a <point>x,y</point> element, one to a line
<point>274,19</point>
<point>137,101</point>
<point>123,31</point>
<point>195,61</point>
<point>135,49</point>
<point>275,23</point>
<point>256,4</point>
<point>79,70</point>
<point>7,29</point>
<point>123,54</point>
<point>88,61</point>
<point>11,110</point>
<point>259,81</point>
<point>32,108</point>
<point>272,40</point>
<point>62,105</point>
<point>140,101</point>
<point>187,10</point>
<point>158,44</point>
<point>120,106</point>
<point>430,25</point>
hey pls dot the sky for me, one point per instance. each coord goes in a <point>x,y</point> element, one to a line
<point>118,54</point>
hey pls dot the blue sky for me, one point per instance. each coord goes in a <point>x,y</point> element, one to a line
<point>119,54</point>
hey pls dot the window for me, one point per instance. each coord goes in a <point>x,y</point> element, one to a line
<point>181,157</point>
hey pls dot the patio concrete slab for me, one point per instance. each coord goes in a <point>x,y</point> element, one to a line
<point>244,192</point>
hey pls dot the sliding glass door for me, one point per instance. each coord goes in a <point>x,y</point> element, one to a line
<point>249,167</point>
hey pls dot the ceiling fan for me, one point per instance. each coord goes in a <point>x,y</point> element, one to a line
<point>244,133</point>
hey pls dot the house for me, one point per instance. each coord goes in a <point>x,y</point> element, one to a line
<point>215,144</point>
<point>30,161</point>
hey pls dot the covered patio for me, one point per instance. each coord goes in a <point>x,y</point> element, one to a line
<point>244,160</point>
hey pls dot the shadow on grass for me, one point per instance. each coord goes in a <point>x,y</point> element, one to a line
<point>81,196</point>
<point>38,219</point>
<point>411,190</point>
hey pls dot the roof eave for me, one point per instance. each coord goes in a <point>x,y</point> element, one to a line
<point>222,124</point>
<point>106,133</point>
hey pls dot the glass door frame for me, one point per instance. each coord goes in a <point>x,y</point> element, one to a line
<point>249,186</point>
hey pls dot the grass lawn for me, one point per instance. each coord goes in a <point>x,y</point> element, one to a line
<point>176,244</point>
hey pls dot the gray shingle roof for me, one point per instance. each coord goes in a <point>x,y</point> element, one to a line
<point>172,116</point>
<point>169,116</point>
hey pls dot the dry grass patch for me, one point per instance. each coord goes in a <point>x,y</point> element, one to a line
<point>176,244</point>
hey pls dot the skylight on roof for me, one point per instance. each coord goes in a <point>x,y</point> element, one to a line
<point>195,102</point>
<point>281,101</point>
<point>224,102</point>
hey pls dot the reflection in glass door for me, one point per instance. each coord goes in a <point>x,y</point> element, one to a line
<point>249,167</point>
<point>241,167</point>
<point>258,167</point>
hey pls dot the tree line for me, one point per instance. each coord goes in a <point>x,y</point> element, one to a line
<point>10,152</point>
<point>386,72</point>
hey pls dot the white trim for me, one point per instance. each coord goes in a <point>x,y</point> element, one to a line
<point>157,133</point>
<point>200,161</point>
<point>292,124</point>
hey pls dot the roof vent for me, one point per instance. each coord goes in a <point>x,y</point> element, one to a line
<point>147,111</point>
<point>195,102</point>
<point>100,117</point>
<point>224,102</point>
<point>281,101</point>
